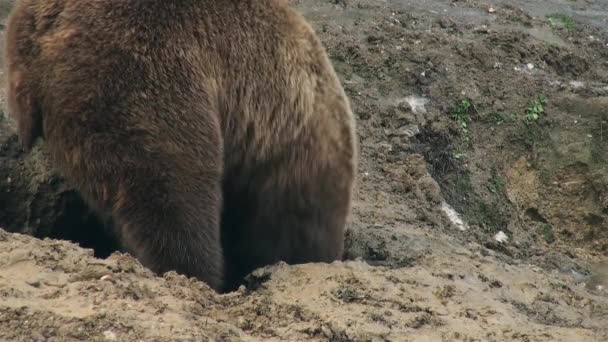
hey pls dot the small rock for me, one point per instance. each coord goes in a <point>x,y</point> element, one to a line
<point>38,337</point>
<point>384,147</point>
<point>416,103</point>
<point>34,283</point>
<point>501,237</point>
<point>243,323</point>
<point>499,106</point>
<point>453,216</point>
<point>407,131</point>
<point>327,332</point>
<point>109,335</point>
<point>577,84</point>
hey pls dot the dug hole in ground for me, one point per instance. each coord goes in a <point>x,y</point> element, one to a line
<point>481,212</point>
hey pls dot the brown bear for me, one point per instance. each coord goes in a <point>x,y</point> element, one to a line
<point>214,134</point>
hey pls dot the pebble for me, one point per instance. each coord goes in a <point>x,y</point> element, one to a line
<point>109,335</point>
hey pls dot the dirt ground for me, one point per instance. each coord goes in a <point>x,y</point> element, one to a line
<point>481,212</point>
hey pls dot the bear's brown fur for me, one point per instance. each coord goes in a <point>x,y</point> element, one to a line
<point>214,134</point>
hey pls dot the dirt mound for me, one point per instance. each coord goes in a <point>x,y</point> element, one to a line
<point>481,212</point>
<point>54,290</point>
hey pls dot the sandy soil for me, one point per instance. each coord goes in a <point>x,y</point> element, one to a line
<point>481,213</point>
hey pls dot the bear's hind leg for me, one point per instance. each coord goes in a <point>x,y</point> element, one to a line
<point>290,210</point>
<point>165,206</point>
<point>173,227</point>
